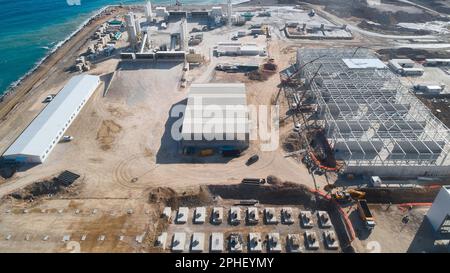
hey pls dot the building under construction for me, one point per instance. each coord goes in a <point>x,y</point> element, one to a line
<point>372,124</point>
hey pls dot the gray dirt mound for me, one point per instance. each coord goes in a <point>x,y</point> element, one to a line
<point>42,188</point>
<point>273,180</point>
<point>163,195</point>
<point>360,9</point>
<point>168,197</point>
<point>400,195</point>
<point>278,194</point>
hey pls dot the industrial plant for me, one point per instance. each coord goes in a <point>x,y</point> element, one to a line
<point>372,122</point>
<point>254,127</point>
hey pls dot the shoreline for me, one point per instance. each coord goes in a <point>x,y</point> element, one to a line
<point>10,98</point>
<point>26,83</point>
<point>56,47</point>
<point>17,83</point>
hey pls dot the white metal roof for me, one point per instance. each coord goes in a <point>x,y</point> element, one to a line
<point>227,98</point>
<point>364,63</point>
<point>40,134</point>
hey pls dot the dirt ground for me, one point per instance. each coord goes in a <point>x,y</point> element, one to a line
<point>391,234</point>
<point>123,148</point>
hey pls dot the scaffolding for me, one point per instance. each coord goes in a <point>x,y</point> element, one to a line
<point>369,117</point>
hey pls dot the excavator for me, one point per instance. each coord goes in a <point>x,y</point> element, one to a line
<point>348,195</point>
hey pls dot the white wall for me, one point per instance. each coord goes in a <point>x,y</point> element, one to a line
<point>440,208</point>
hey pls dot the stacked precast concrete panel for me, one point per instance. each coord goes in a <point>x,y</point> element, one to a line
<point>373,123</point>
<point>43,133</point>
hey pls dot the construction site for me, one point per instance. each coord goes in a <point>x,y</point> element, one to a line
<point>141,136</point>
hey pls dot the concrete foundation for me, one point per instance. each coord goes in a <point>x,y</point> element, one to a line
<point>324,219</point>
<point>254,242</point>
<point>198,242</point>
<point>306,219</point>
<point>216,242</point>
<point>287,216</point>
<point>274,243</point>
<point>199,215</point>
<point>217,215</point>
<point>311,240</point>
<point>270,217</point>
<point>252,216</point>
<point>235,215</point>
<point>182,215</point>
<point>178,242</point>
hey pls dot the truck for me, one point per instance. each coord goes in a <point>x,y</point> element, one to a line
<point>365,214</point>
<point>254,181</point>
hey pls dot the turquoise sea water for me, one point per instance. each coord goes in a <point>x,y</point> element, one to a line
<point>30,29</point>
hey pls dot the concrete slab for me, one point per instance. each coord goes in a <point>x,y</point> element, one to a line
<point>198,242</point>
<point>274,243</point>
<point>178,241</point>
<point>254,242</point>
<point>167,213</point>
<point>329,237</point>
<point>199,215</point>
<point>140,238</point>
<point>294,243</point>
<point>324,219</point>
<point>217,215</point>
<point>252,216</point>
<point>287,216</point>
<point>161,240</point>
<point>182,215</point>
<point>311,240</point>
<point>270,217</point>
<point>66,238</point>
<point>216,242</point>
<point>236,243</point>
<point>235,215</point>
<point>306,219</point>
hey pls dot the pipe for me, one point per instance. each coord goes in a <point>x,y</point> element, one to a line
<point>144,41</point>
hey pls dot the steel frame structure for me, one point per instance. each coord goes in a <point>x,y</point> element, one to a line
<point>370,118</point>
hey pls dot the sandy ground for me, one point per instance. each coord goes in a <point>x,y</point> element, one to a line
<point>123,147</point>
<point>391,234</point>
<point>77,218</point>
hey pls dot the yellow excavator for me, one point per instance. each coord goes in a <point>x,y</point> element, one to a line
<point>348,195</point>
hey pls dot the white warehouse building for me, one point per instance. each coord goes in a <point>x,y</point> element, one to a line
<point>216,117</point>
<point>43,133</point>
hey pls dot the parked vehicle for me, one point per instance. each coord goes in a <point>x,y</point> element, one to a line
<point>67,138</point>
<point>254,181</point>
<point>49,98</point>
<point>365,214</point>
<point>252,160</point>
